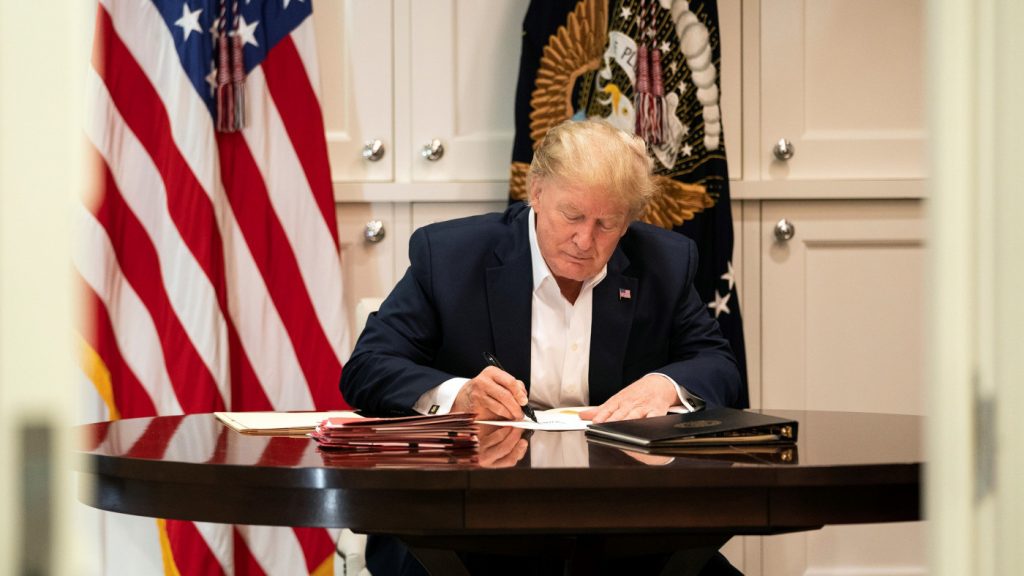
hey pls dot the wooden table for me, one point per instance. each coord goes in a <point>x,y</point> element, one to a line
<point>846,468</point>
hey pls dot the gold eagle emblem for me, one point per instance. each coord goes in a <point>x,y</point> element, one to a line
<point>576,48</point>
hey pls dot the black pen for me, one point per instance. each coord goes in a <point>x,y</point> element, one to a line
<point>493,361</point>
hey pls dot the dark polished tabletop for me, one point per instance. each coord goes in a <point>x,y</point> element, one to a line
<point>846,468</point>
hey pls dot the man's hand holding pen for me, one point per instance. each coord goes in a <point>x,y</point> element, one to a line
<point>493,395</point>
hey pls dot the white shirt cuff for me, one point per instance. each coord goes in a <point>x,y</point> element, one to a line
<point>439,400</point>
<point>690,402</point>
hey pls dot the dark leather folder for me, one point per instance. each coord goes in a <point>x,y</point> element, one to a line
<point>714,426</point>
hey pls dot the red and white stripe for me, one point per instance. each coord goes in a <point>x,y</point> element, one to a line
<point>208,261</point>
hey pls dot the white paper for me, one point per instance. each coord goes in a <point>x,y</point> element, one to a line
<point>267,422</point>
<point>555,419</point>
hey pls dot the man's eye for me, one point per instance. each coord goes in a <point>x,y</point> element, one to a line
<point>573,217</point>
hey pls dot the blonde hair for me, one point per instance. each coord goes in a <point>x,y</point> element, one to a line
<point>595,154</point>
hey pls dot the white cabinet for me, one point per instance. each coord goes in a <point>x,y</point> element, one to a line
<point>858,550</point>
<point>843,81</point>
<point>411,73</point>
<point>834,320</point>
<point>842,307</point>
<point>406,73</point>
<point>464,65</point>
<point>356,52</point>
<point>424,213</point>
<point>371,267</point>
<point>367,267</point>
<point>834,315</point>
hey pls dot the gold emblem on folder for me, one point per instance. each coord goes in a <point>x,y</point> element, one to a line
<point>699,424</point>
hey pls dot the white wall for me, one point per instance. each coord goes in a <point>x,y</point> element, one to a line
<point>976,458</point>
<point>42,50</point>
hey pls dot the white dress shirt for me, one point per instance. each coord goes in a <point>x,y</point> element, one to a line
<point>559,345</point>
<point>559,336</point>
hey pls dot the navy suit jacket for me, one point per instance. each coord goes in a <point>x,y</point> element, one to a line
<point>469,290</point>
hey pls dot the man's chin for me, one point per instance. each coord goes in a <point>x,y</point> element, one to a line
<point>575,273</point>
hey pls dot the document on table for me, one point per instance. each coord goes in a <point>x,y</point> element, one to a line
<point>279,423</point>
<point>554,419</point>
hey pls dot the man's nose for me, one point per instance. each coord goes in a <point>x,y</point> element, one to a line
<point>584,237</point>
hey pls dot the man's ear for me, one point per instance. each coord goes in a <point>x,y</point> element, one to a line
<point>535,190</point>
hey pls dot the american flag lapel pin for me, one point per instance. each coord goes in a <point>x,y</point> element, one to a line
<point>625,294</point>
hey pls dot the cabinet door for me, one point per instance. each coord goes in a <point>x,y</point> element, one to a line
<point>843,80</point>
<point>367,268</point>
<point>464,66</point>
<point>354,42</point>
<point>842,329</point>
<point>842,306</point>
<point>730,24</point>
<point>423,213</point>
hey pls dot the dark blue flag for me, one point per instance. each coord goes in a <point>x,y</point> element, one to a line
<point>651,67</point>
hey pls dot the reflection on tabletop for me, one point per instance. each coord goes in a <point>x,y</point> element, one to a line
<point>500,446</point>
<point>826,439</point>
<point>202,439</point>
<point>503,446</point>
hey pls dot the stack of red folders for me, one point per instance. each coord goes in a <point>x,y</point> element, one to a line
<point>438,435</point>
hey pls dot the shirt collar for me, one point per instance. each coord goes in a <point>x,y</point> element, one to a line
<point>540,267</point>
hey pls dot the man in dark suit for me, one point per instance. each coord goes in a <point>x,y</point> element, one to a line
<point>583,304</point>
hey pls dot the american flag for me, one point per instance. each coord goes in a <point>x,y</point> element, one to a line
<point>208,260</point>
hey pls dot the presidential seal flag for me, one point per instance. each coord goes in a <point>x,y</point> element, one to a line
<point>208,254</point>
<point>651,67</point>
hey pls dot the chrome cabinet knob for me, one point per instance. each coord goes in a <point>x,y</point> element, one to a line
<point>784,230</point>
<point>373,151</point>
<point>783,149</point>
<point>433,151</point>
<point>374,231</point>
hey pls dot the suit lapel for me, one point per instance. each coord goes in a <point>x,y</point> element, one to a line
<point>614,305</point>
<point>510,300</point>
